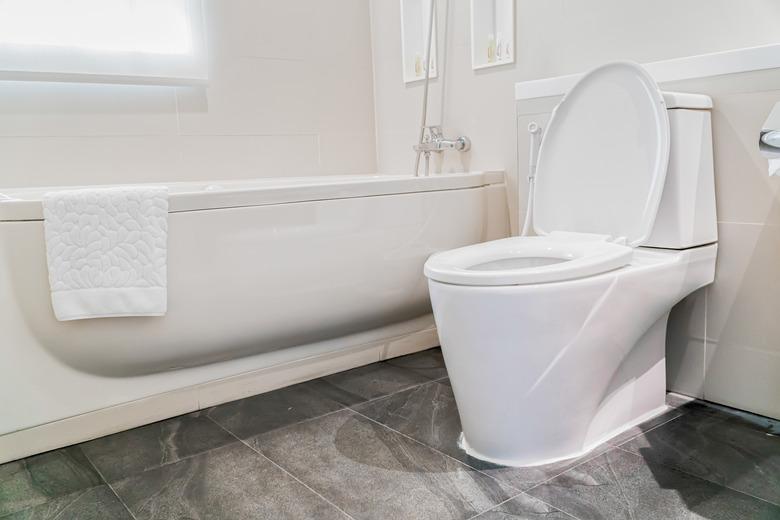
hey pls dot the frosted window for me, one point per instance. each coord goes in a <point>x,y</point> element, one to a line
<point>145,41</point>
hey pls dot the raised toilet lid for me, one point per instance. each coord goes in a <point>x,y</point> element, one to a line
<point>604,156</point>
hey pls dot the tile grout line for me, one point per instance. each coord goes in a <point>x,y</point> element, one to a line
<point>588,459</point>
<point>648,431</point>
<point>610,448</point>
<point>381,397</point>
<point>121,500</point>
<point>285,471</point>
<point>107,483</point>
<point>475,517</point>
<point>193,455</point>
<point>84,492</point>
<point>679,470</point>
<point>203,412</point>
<point>459,462</point>
<point>176,108</point>
<point>519,492</point>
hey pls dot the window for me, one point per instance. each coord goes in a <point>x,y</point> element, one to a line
<point>115,41</point>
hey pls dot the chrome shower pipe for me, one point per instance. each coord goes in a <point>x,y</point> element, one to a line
<point>424,119</point>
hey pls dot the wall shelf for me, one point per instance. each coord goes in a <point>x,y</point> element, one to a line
<point>414,37</point>
<point>492,33</point>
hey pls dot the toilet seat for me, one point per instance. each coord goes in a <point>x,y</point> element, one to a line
<point>528,260</point>
<point>604,157</point>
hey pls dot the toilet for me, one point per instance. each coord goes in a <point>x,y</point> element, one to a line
<point>555,343</point>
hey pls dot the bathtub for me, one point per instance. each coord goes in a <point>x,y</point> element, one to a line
<point>270,282</point>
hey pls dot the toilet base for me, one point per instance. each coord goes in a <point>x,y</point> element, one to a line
<point>463,444</point>
<point>547,372</point>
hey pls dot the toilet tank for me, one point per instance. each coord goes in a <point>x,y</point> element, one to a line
<point>686,215</point>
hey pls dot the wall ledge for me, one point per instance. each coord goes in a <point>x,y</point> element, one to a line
<point>691,67</point>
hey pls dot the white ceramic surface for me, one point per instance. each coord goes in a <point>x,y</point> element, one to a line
<point>251,282</point>
<point>603,159</point>
<point>549,360</point>
<point>544,372</point>
<point>525,260</point>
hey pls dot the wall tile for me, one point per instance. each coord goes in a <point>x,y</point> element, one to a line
<point>743,352</point>
<point>279,77</point>
<point>257,28</point>
<point>745,192</point>
<point>70,109</point>
<point>685,345</point>
<point>250,96</point>
<point>347,153</point>
<point>246,157</point>
<point>66,161</point>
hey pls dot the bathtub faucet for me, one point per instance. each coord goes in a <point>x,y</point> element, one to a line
<point>434,141</point>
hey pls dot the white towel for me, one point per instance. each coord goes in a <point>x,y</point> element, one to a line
<point>107,251</point>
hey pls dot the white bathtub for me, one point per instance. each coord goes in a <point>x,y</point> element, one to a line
<point>271,282</point>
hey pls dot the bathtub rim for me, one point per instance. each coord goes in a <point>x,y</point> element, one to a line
<point>25,204</point>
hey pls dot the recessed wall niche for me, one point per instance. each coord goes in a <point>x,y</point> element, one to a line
<point>415,17</point>
<point>492,33</point>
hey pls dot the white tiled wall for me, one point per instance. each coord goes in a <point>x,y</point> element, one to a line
<point>723,342</point>
<point>290,93</point>
<point>554,37</point>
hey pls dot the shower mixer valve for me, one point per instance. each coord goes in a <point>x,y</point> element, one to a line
<point>434,141</point>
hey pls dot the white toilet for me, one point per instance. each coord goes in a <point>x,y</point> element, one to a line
<point>555,343</point>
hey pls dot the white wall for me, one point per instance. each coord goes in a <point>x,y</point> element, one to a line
<point>724,342</point>
<point>554,37</point>
<point>290,93</point>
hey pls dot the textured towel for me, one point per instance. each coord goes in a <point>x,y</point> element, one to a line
<point>107,251</point>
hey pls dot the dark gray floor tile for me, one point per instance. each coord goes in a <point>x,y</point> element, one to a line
<point>133,451</point>
<point>429,414</point>
<point>32,481</point>
<point>372,472</point>
<point>232,482</point>
<point>756,422</point>
<point>524,507</point>
<point>619,484</point>
<point>722,448</point>
<point>428,363</point>
<point>530,476</point>
<point>97,503</point>
<point>646,426</point>
<point>271,410</point>
<point>375,380</point>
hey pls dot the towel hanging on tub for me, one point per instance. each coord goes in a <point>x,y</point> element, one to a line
<point>107,251</point>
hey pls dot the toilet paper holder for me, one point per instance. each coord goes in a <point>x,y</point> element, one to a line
<point>769,140</point>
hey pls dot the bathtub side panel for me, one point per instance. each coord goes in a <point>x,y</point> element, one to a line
<point>247,287</point>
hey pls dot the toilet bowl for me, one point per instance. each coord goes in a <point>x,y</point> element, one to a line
<point>557,342</point>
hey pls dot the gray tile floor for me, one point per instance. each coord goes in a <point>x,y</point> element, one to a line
<point>380,442</point>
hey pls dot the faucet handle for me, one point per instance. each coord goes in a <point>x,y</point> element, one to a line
<point>433,132</point>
